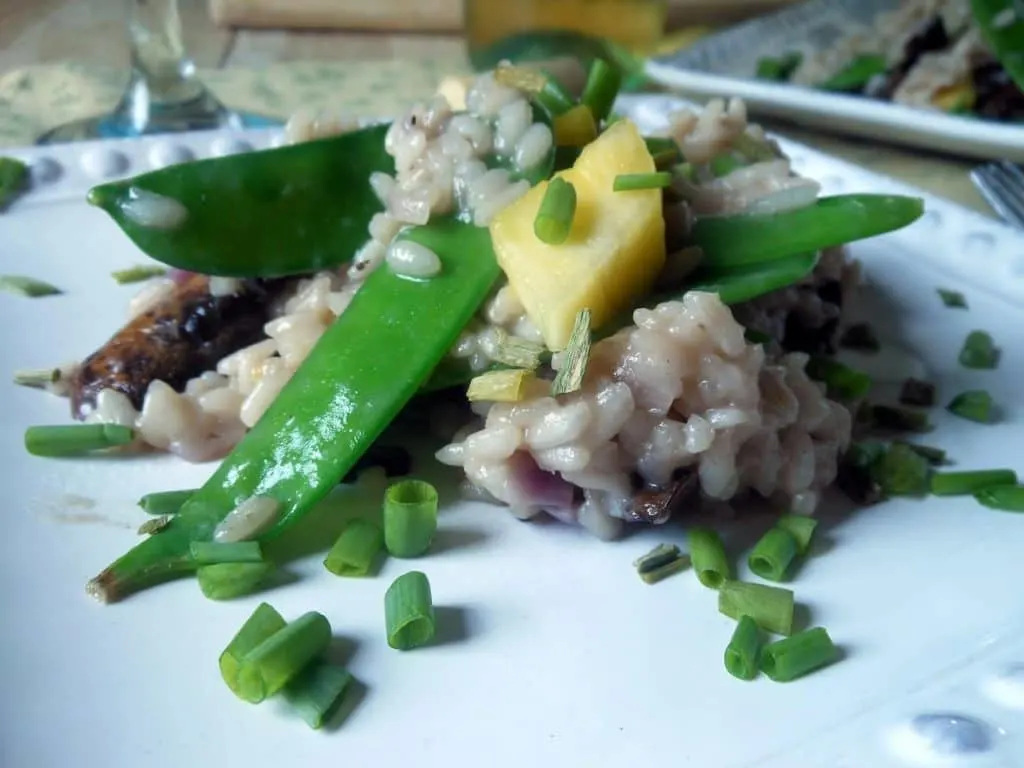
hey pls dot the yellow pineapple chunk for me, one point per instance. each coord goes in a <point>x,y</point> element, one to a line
<point>614,251</point>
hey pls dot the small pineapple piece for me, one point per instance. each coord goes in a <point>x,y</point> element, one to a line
<point>613,254</point>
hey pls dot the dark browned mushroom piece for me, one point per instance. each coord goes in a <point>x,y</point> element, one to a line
<point>656,507</point>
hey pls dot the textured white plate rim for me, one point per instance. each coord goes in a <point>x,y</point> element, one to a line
<point>958,669</point>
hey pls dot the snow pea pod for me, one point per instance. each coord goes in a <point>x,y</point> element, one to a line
<point>271,213</point>
<point>734,241</point>
<point>361,373</point>
<point>1002,26</point>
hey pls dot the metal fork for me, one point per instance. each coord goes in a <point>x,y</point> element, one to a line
<point>1002,185</point>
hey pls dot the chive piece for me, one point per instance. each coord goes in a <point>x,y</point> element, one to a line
<point>666,159</point>
<point>410,517</point>
<point>137,274</point>
<point>37,378</point>
<point>801,528</point>
<point>725,163</point>
<point>670,568</point>
<point>269,666</point>
<point>575,358</point>
<point>154,525</point>
<point>27,286</point>
<point>899,419</point>
<point>517,352</point>
<point>773,554</point>
<point>603,83</point>
<point>215,552</point>
<point>659,144</point>
<point>866,453</point>
<point>660,563</point>
<point>226,581</point>
<point>860,336</point>
<point>75,439</point>
<point>779,69</point>
<point>708,557</point>
<point>574,129</point>
<point>901,471</point>
<point>355,550</point>
<point>741,655</point>
<point>770,607</point>
<point>917,392</point>
<point>973,405</point>
<point>14,176</point>
<point>542,87</point>
<point>965,483</point>
<point>979,352</point>
<point>317,691</point>
<point>1006,498</point>
<point>554,217</point>
<point>795,656</point>
<point>409,611</point>
<point>843,382</point>
<point>500,386</point>
<point>952,299</point>
<point>634,182</point>
<point>165,502</point>
<point>264,622</point>
<point>934,456</point>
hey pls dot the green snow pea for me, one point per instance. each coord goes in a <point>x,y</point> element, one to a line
<point>361,373</point>
<point>1002,26</point>
<point>261,214</point>
<point>854,76</point>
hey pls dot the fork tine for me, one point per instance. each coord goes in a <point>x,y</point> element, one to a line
<point>1013,171</point>
<point>990,184</point>
<point>1011,186</point>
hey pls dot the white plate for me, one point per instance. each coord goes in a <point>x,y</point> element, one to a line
<point>723,64</point>
<point>554,652</point>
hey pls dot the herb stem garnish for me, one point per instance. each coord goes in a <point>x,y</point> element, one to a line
<point>268,667</point>
<point>634,182</point>
<point>770,607</point>
<point>410,517</point>
<point>260,626</point>
<point>773,554</point>
<point>409,612</point>
<point>660,563</point>
<point>356,549</point>
<point>743,651</point>
<point>973,405</point>
<point>27,286</point>
<point>555,214</point>
<point>603,82</point>
<point>795,656</point>
<point>75,439</point>
<point>137,274</point>
<point>576,357</point>
<point>1006,498</point>
<point>707,553</point>
<point>966,483</point>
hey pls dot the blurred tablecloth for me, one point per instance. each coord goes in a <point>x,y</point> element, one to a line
<point>36,98</point>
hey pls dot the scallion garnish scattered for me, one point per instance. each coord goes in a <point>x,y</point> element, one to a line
<point>27,286</point>
<point>409,612</point>
<point>973,405</point>
<point>544,89</point>
<point>165,502</point>
<point>575,358</point>
<point>744,649</point>
<point>953,299</point>
<point>37,378</point>
<point>317,691</point>
<point>555,214</point>
<point>75,439</point>
<point>966,483</point>
<point>917,392</point>
<point>770,607</point>
<point>268,667</point>
<point>517,352</point>
<point>260,626</point>
<point>603,82</point>
<point>902,471</point>
<point>660,563</point>
<point>795,656</point>
<point>801,528</point>
<point>226,581</point>
<point>500,386</point>
<point>979,351</point>
<point>410,517</point>
<point>707,553</point>
<point>865,453</point>
<point>14,176</point>
<point>635,182</point>
<point>843,382</point>
<point>215,552</point>
<point>860,336</point>
<point>1006,498</point>
<point>896,419</point>
<point>137,274</point>
<point>574,129</point>
<point>356,549</point>
<point>773,553</point>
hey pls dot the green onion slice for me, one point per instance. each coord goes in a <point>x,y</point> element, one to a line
<point>517,352</point>
<point>269,666</point>
<point>660,563</point>
<point>741,655</point>
<point>409,612</point>
<point>317,691</point>
<point>410,517</point>
<point>979,352</point>
<point>356,549</point>
<point>901,471</point>
<point>576,357</point>
<point>226,581</point>
<point>935,456</point>
<point>1006,498</point>
<point>500,386</point>
<point>795,656</point>
<point>952,299</point>
<point>37,378</point>
<point>75,439</point>
<point>546,91</point>
<point>214,552</point>
<point>708,557</point>
<point>137,274</point>
<point>635,182</point>
<point>555,214</point>
<point>27,286</point>
<point>603,83</point>
<point>966,483</point>
<point>973,405</point>
<point>264,622</point>
<point>801,528</point>
<point>773,553</point>
<point>843,382</point>
<point>770,607</point>
<point>14,176</point>
<point>165,502</point>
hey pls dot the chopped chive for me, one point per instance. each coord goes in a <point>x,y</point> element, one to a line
<point>658,144</point>
<point>317,691</point>
<point>634,182</point>
<point>554,217</point>
<point>770,607</point>
<point>154,525</point>
<point>843,382</point>
<point>917,392</point>
<point>409,612</point>
<point>953,299</point>
<point>685,171</point>
<point>575,128</point>
<point>935,456</point>
<point>741,655</point>
<point>37,378</point>
<point>671,568</point>
<point>226,581</point>
<point>801,528</point>
<point>660,563</point>
<point>725,163</point>
<point>973,405</point>
<point>1006,498</point>
<point>979,352</point>
<point>27,286</point>
<point>773,554</point>
<point>215,552</point>
<point>500,386</point>
<point>357,547</point>
<point>899,419</point>
<point>269,666</point>
<point>165,502</point>
<point>576,357</point>
<point>860,336</point>
<point>708,557</point>
<point>410,517</point>
<point>755,148</point>
<point>665,159</point>
<point>137,274</point>
<point>545,90</point>
<point>795,656</point>
<point>264,622</point>
<point>603,83</point>
<point>75,439</point>
<point>901,471</point>
<point>965,483</point>
<point>865,453</point>
<point>14,176</point>
<point>517,352</point>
